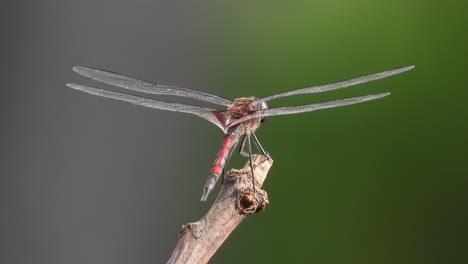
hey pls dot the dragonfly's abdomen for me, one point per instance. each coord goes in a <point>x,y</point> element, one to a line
<point>229,142</point>
<point>223,155</point>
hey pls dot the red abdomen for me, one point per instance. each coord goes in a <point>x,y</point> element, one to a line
<point>223,155</point>
<point>229,142</point>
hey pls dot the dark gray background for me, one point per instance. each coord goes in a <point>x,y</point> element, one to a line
<point>85,179</point>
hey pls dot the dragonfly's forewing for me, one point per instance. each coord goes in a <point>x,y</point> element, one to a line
<point>134,84</point>
<point>287,110</point>
<point>340,84</point>
<point>214,116</point>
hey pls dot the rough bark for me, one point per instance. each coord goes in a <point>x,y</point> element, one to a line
<point>199,240</point>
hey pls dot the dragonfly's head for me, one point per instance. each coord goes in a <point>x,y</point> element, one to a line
<point>241,109</point>
<point>245,106</point>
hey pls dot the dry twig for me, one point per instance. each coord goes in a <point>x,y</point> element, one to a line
<point>199,241</point>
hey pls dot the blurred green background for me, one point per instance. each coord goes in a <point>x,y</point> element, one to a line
<point>381,182</point>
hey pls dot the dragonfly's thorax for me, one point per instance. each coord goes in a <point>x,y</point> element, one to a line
<point>242,107</point>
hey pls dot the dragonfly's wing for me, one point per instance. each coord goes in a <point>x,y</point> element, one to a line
<point>309,108</point>
<point>341,84</point>
<point>214,116</point>
<point>147,87</point>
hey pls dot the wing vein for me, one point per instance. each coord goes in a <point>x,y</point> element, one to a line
<point>134,84</point>
<point>340,84</point>
<point>287,110</point>
<point>205,113</point>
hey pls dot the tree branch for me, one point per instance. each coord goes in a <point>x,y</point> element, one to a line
<point>199,241</point>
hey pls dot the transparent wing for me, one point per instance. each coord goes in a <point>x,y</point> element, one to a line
<point>211,115</point>
<point>147,87</point>
<point>340,84</point>
<point>287,110</point>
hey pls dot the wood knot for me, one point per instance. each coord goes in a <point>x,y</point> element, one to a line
<point>196,229</point>
<point>249,202</point>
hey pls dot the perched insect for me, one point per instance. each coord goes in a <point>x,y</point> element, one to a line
<point>242,116</point>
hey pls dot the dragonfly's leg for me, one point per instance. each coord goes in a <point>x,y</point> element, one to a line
<point>222,176</point>
<point>242,148</point>
<point>250,161</point>
<point>260,146</point>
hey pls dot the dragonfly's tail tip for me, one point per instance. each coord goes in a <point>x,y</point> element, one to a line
<point>204,196</point>
<point>207,190</point>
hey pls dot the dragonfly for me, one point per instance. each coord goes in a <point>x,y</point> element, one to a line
<point>240,118</point>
